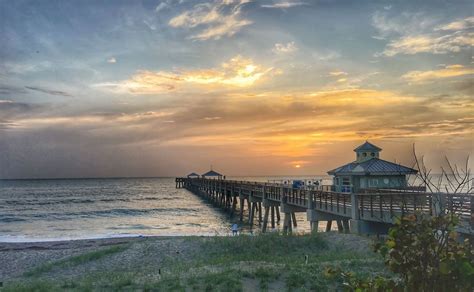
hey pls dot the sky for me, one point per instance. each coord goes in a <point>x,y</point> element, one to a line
<point>165,88</point>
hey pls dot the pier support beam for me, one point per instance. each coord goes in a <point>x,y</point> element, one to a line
<point>252,214</point>
<point>345,223</point>
<point>269,207</point>
<point>340,228</point>
<point>314,226</point>
<point>287,223</point>
<point>293,217</point>
<point>234,206</point>
<point>328,226</point>
<point>273,216</point>
<point>242,204</point>
<point>265,219</point>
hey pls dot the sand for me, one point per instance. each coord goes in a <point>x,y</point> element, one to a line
<point>18,258</point>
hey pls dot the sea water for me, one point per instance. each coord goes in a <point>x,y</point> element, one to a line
<point>62,209</point>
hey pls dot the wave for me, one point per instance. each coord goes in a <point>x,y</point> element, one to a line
<point>158,199</point>
<point>137,226</point>
<point>112,213</point>
<point>114,200</point>
<point>11,219</point>
<point>49,202</point>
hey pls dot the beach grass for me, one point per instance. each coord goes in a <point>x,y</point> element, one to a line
<point>266,262</point>
<point>75,260</point>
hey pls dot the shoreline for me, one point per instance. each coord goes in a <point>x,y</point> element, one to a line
<point>99,237</point>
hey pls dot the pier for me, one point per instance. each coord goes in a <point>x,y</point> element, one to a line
<point>367,212</point>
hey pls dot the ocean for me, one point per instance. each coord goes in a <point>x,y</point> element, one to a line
<point>64,209</point>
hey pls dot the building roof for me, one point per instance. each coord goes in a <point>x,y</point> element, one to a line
<point>367,146</point>
<point>212,173</point>
<point>374,166</point>
<point>193,174</point>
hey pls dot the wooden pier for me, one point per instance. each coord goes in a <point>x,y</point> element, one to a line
<point>374,211</point>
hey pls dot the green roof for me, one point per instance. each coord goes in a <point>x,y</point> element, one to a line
<point>367,146</point>
<point>374,166</point>
<point>212,173</point>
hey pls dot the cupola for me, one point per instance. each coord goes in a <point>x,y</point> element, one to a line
<point>367,151</point>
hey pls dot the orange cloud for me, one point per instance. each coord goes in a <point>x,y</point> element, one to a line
<point>237,72</point>
<point>447,72</point>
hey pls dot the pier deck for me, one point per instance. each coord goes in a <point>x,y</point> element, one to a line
<point>375,210</point>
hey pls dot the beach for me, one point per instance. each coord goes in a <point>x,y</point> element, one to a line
<point>135,262</point>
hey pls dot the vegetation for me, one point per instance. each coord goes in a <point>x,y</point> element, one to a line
<point>428,256</point>
<point>75,260</point>
<point>425,254</point>
<point>264,262</point>
<point>425,251</point>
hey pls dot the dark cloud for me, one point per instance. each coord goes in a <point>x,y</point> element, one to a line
<point>49,91</point>
<point>9,90</point>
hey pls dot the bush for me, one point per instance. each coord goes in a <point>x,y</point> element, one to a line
<point>426,253</point>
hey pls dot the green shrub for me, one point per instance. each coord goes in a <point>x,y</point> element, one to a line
<point>427,254</point>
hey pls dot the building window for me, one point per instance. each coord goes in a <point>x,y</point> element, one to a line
<point>372,154</point>
<point>386,181</point>
<point>364,154</point>
<point>374,182</point>
<point>346,181</point>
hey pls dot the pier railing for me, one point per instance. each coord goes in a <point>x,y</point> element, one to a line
<point>376,205</point>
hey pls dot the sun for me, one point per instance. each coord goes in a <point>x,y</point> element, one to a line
<point>297,166</point>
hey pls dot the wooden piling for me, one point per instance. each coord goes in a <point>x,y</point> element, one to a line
<point>293,216</point>
<point>265,220</point>
<point>234,206</point>
<point>252,214</point>
<point>273,216</point>
<point>328,226</point>
<point>345,224</point>
<point>286,222</point>
<point>340,228</point>
<point>241,209</point>
<point>314,226</point>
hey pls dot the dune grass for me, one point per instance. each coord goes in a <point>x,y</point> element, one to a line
<point>270,261</point>
<point>75,260</point>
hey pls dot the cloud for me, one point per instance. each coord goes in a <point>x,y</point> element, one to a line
<point>237,72</point>
<point>287,48</point>
<point>22,68</point>
<point>212,118</point>
<point>275,129</point>
<point>112,60</point>
<point>411,33</point>
<point>447,72</point>
<point>326,56</point>
<point>161,6</point>
<point>212,20</point>
<point>49,91</point>
<point>458,25</point>
<point>283,4</point>
<point>402,24</point>
<point>338,73</point>
<point>9,90</point>
<point>411,45</point>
